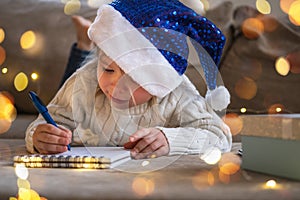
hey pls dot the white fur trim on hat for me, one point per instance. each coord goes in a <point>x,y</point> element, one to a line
<point>133,52</point>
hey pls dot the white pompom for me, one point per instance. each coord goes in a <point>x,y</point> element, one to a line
<point>218,98</point>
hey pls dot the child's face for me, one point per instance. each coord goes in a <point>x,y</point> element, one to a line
<point>119,87</point>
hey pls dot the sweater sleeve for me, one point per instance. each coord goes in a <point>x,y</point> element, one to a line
<point>60,110</point>
<point>198,127</point>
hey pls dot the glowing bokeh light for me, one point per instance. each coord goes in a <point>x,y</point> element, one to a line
<point>270,23</point>
<point>210,178</point>
<point>9,97</point>
<point>2,55</point>
<point>229,168</point>
<point>24,194</point>
<point>21,81</point>
<point>145,163</point>
<point>28,40</point>
<point>282,66</point>
<point>38,49</point>
<point>224,178</point>
<point>229,164</point>
<point>153,156</point>
<point>8,112</point>
<point>211,156</point>
<point>271,184</point>
<point>23,183</point>
<point>72,7</point>
<point>263,6</point>
<point>203,179</point>
<point>294,13</point>
<point>276,108</point>
<point>34,76</point>
<point>235,123</point>
<point>143,186</point>
<point>34,195</point>
<point>285,5</point>
<point>21,171</point>
<point>252,28</point>
<point>24,189</point>
<point>243,110</point>
<point>2,35</point>
<point>4,70</point>
<point>245,88</point>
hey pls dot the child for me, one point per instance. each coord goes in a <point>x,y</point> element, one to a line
<point>133,92</point>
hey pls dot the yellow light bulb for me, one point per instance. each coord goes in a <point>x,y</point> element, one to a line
<point>282,66</point>
<point>34,76</point>
<point>243,110</point>
<point>2,35</point>
<point>263,6</point>
<point>271,184</point>
<point>21,82</point>
<point>28,40</point>
<point>72,7</point>
<point>4,70</point>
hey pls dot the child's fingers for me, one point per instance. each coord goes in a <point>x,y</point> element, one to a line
<point>46,148</point>
<point>53,139</point>
<point>163,150</point>
<point>140,134</point>
<point>67,131</point>
<point>130,145</point>
<point>147,150</point>
<point>50,139</point>
<point>146,142</point>
<point>51,129</point>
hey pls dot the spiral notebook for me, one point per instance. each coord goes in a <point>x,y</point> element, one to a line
<point>78,157</point>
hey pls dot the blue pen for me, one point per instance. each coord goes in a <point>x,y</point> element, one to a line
<point>38,104</point>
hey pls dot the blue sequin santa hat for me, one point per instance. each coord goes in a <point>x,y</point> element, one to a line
<point>148,40</point>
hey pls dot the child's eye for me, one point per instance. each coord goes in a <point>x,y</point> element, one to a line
<point>108,70</point>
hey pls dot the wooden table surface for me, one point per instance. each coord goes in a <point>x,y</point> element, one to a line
<point>181,177</point>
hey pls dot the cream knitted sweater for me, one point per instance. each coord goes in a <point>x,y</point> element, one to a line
<point>187,121</point>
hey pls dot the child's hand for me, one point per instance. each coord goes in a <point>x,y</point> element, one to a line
<point>147,142</point>
<point>48,139</point>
